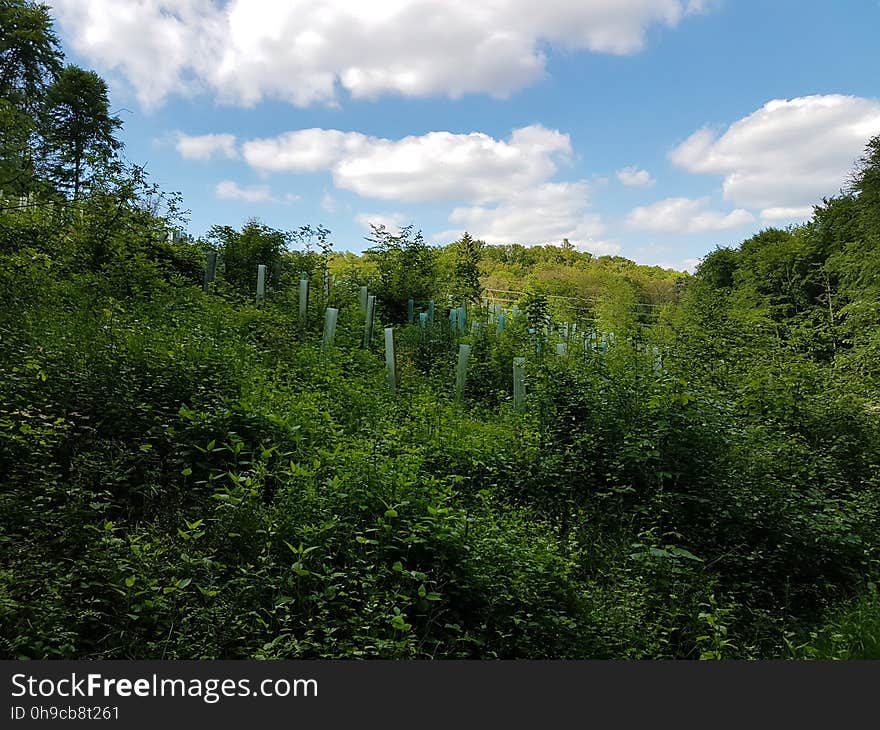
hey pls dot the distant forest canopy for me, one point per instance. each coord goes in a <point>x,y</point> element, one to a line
<point>190,473</point>
<point>556,270</point>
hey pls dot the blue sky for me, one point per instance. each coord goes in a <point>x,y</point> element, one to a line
<point>656,129</point>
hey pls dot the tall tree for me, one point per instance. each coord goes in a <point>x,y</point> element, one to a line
<point>78,130</point>
<point>466,272</point>
<point>866,184</point>
<point>30,59</point>
<point>16,163</point>
<point>30,56</point>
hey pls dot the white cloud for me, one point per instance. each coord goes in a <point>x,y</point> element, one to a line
<point>292,198</point>
<point>504,187</point>
<point>302,51</point>
<point>391,221</point>
<point>305,150</point>
<point>685,215</point>
<point>791,215</point>
<point>435,166</point>
<point>545,214</point>
<point>787,155</point>
<point>689,265</point>
<point>229,190</point>
<point>206,146</point>
<point>636,178</point>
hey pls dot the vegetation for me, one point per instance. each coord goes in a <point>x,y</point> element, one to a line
<point>188,475</point>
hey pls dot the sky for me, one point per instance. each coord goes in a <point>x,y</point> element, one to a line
<point>651,129</point>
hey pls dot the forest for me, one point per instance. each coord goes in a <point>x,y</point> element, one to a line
<point>564,456</point>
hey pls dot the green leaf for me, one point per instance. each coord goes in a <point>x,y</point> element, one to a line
<point>681,552</point>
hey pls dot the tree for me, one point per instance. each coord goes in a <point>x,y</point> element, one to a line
<point>466,269</point>
<point>30,57</point>
<point>78,130</point>
<point>16,164</point>
<point>406,266</point>
<point>866,184</point>
<point>537,309</point>
<point>241,252</point>
<point>719,267</point>
<point>309,261</point>
<point>29,60</point>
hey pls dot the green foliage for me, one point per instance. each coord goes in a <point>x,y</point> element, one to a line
<point>242,251</point>
<point>718,268</point>
<point>466,284</point>
<point>851,631</point>
<point>536,308</point>
<point>30,59</point>
<point>77,131</point>
<point>188,476</point>
<point>406,268</point>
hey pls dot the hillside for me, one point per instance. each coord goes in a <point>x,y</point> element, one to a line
<point>189,474</point>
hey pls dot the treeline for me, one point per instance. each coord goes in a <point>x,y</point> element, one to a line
<point>811,292</point>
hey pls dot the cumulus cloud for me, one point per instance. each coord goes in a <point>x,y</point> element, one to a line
<point>503,189</point>
<point>787,155</point>
<point>777,215</point>
<point>206,146</point>
<point>688,265</point>
<point>635,178</point>
<point>434,166</point>
<point>302,51</point>
<point>685,215</point>
<point>230,190</point>
<point>545,214</point>
<point>304,150</point>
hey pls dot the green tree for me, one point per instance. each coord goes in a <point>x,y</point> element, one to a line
<point>16,163</point>
<point>466,269</point>
<point>406,268</point>
<point>719,267</point>
<point>30,59</point>
<point>537,309</point>
<point>242,251</point>
<point>30,56</point>
<point>866,185</point>
<point>78,130</point>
